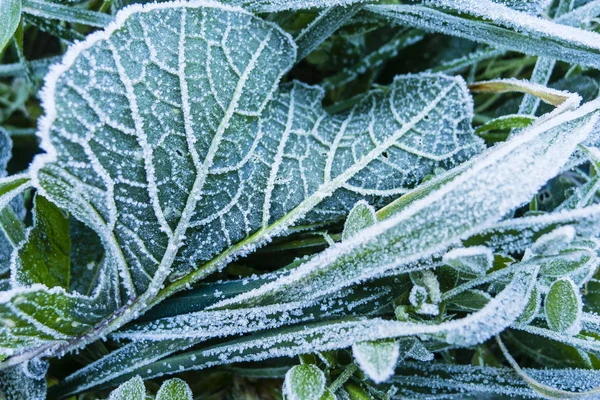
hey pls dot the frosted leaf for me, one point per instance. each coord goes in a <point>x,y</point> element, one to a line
<point>174,389</point>
<point>515,235</point>
<point>361,216</point>
<point>472,260</point>
<point>131,390</point>
<point>453,381</point>
<point>577,262</point>
<point>464,204</point>
<point>35,319</point>
<point>496,316</point>
<point>160,338</point>
<point>428,280</point>
<point>376,359</point>
<point>184,160</point>
<point>17,209</point>
<point>554,241</point>
<point>44,256</point>
<point>304,382</point>
<point>10,16</point>
<point>532,309</point>
<point>469,300</point>
<point>24,382</point>
<point>204,325</point>
<point>413,348</point>
<point>268,6</point>
<point>499,26</point>
<point>528,6</point>
<point>418,296</point>
<point>563,307</point>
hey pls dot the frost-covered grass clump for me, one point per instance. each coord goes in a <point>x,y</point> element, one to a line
<point>302,200</point>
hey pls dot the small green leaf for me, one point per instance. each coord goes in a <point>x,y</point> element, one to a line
<point>328,395</point>
<point>532,308</point>
<point>473,260</point>
<point>376,359</point>
<point>174,389</point>
<point>10,15</point>
<point>563,307</point>
<point>304,382</point>
<point>411,347</point>
<point>515,121</point>
<point>45,256</point>
<point>133,389</point>
<point>360,217</point>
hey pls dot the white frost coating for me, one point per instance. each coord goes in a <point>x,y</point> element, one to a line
<point>492,319</point>
<point>510,173</point>
<point>203,325</point>
<point>554,241</point>
<point>180,162</point>
<point>21,306</point>
<point>475,259</point>
<point>503,15</point>
<point>508,29</point>
<point>377,359</point>
<point>517,234</point>
<point>10,181</point>
<point>133,389</point>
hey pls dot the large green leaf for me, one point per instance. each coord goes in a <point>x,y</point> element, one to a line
<point>182,159</point>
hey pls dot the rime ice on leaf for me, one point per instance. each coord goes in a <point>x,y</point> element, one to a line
<point>131,390</point>
<point>511,173</point>
<point>554,241</point>
<point>472,260</point>
<point>376,359</point>
<point>304,382</point>
<point>25,381</point>
<point>532,308</point>
<point>361,216</point>
<point>174,389</point>
<point>563,307</point>
<point>190,155</point>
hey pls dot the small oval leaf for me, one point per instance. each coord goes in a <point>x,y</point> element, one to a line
<point>360,217</point>
<point>563,307</point>
<point>376,359</point>
<point>304,382</point>
<point>133,389</point>
<point>174,389</point>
